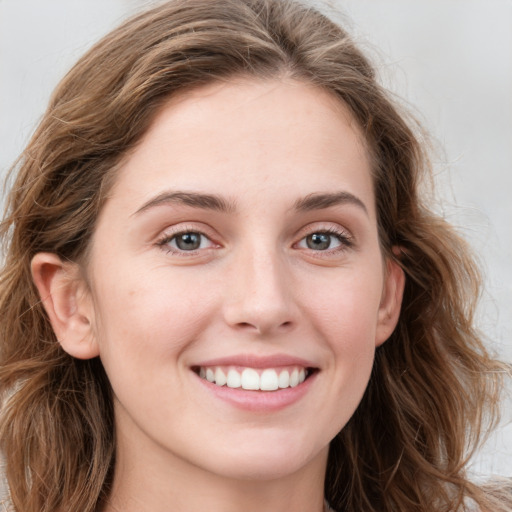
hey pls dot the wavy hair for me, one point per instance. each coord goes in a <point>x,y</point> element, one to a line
<point>434,389</point>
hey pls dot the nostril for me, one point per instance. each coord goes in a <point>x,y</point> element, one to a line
<point>249,325</point>
<point>246,325</point>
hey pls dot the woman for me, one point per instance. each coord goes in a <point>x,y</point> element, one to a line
<point>222,288</point>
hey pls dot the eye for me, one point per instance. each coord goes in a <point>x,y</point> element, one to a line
<point>186,241</point>
<point>324,241</point>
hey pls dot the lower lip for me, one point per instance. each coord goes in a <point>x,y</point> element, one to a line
<point>259,401</point>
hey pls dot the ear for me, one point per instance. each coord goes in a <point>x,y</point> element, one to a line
<point>67,302</point>
<point>391,301</point>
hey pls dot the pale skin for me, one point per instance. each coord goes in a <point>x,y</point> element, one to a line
<point>242,226</point>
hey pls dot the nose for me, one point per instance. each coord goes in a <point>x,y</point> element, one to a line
<point>259,295</point>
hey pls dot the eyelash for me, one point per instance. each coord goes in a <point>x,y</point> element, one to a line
<point>167,238</point>
<point>343,237</point>
<point>345,241</point>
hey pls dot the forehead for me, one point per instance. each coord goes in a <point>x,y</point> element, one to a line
<point>250,136</point>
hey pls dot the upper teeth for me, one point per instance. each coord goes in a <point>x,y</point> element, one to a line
<point>268,379</point>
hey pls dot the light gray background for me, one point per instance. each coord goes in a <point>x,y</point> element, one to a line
<point>450,59</point>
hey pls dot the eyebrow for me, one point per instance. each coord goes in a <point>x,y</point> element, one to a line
<point>193,199</point>
<point>315,201</point>
<point>319,201</point>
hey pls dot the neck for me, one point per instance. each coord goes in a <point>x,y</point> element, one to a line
<point>148,484</point>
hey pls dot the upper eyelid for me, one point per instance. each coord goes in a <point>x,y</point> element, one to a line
<point>167,237</point>
<point>212,234</point>
<point>186,227</point>
<point>344,237</point>
<point>163,243</point>
<point>170,232</point>
<point>324,227</point>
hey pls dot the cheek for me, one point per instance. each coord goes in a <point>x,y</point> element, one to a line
<point>146,317</point>
<point>345,315</point>
<point>346,309</point>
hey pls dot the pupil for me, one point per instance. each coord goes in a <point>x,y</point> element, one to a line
<point>318,241</point>
<point>188,241</point>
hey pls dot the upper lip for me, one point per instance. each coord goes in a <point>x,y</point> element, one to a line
<point>257,361</point>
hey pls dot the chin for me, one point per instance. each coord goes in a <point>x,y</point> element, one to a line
<point>266,460</point>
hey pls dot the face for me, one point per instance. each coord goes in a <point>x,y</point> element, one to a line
<point>237,283</point>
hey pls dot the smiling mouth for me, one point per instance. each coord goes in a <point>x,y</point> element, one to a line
<point>252,379</point>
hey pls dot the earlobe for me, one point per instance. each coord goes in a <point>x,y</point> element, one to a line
<point>391,302</point>
<point>67,302</point>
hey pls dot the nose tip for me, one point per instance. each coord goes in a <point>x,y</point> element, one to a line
<point>260,299</point>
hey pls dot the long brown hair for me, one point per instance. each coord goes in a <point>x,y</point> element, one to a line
<point>434,388</point>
